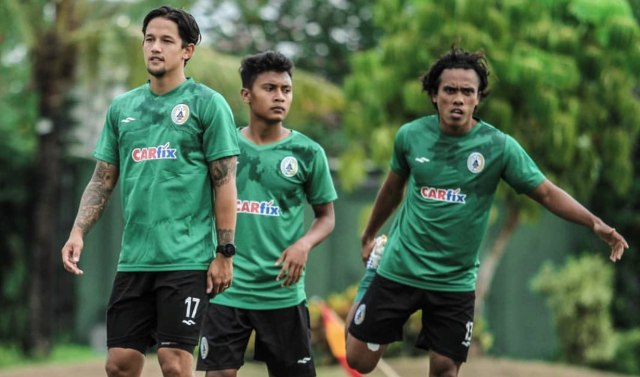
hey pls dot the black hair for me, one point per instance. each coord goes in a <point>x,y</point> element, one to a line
<point>187,25</point>
<point>267,61</point>
<point>457,58</point>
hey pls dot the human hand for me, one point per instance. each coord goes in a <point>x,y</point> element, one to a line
<point>71,253</point>
<point>219,275</point>
<point>367,247</point>
<point>293,260</point>
<point>616,242</point>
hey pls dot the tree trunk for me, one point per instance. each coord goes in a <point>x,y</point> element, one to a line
<point>491,260</point>
<point>53,72</point>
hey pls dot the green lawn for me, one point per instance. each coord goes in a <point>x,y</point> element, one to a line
<point>11,357</point>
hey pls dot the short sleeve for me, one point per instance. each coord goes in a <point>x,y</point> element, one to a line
<point>107,148</point>
<point>220,136</point>
<point>520,171</point>
<point>319,187</point>
<point>399,163</point>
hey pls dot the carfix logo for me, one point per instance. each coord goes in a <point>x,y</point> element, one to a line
<point>257,208</point>
<point>443,195</point>
<point>161,152</point>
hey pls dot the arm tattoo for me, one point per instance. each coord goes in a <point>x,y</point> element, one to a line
<point>96,196</point>
<point>220,170</point>
<point>225,236</point>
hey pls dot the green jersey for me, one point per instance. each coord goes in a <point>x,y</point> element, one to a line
<point>162,146</point>
<point>274,183</point>
<point>435,239</point>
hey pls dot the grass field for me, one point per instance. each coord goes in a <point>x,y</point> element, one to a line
<point>476,367</point>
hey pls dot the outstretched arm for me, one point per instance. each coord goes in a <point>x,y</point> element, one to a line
<point>387,200</point>
<point>294,258</point>
<point>564,205</point>
<point>94,200</point>
<point>223,178</point>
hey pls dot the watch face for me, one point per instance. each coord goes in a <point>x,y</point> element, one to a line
<point>227,250</point>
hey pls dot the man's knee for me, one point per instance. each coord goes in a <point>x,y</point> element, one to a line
<point>124,362</point>
<point>360,363</point>
<point>362,356</point>
<point>119,368</point>
<point>442,366</point>
<point>114,369</point>
<point>175,362</point>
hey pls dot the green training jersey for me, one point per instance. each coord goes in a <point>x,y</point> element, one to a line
<point>435,238</point>
<point>162,146</point>
<point>274,183</point>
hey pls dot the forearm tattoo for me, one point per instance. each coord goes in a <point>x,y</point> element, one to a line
<point>96,196</point>
<point>222,170</point>
<point>225,236</point>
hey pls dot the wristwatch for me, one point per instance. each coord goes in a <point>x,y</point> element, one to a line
<point>228,250</point>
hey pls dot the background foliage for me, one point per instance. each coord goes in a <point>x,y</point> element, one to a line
<point>318,35</point>
<point>581,307</point>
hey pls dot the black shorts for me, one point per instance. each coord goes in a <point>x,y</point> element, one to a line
<point>282,339</point>
<point>156,308</point>
<point>447,317</point>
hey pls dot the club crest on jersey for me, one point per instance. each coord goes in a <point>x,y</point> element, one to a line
<point>289,166</point>
<point>161,152</point>
<point>475,162</point>
<point>443,195</point>
<point>180,114</point>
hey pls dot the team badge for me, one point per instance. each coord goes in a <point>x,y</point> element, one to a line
<point>289,166</point>
<point>180,114</point>
<point>204,348</point>
<point>358,318</point>
<point>475,162</point>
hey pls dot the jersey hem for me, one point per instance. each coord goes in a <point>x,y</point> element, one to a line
<point>439,287</point>
<point>105,158</point>
<point>163,268</point>
<point>224,154</point>
<point>278,305</point>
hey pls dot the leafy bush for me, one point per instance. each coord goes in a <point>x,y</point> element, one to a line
<point>627,355</point>
<point>579,295</point>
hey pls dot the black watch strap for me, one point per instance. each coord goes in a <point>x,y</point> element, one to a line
<point>228,250</point>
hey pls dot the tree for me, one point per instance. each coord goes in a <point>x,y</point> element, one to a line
<point>625,210</point>
<point>565,89</point>
<point>16,157</point>
<point>57,36</point>
<point>318,35</point>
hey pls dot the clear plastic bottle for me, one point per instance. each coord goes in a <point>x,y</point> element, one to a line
<point>376,253</point>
